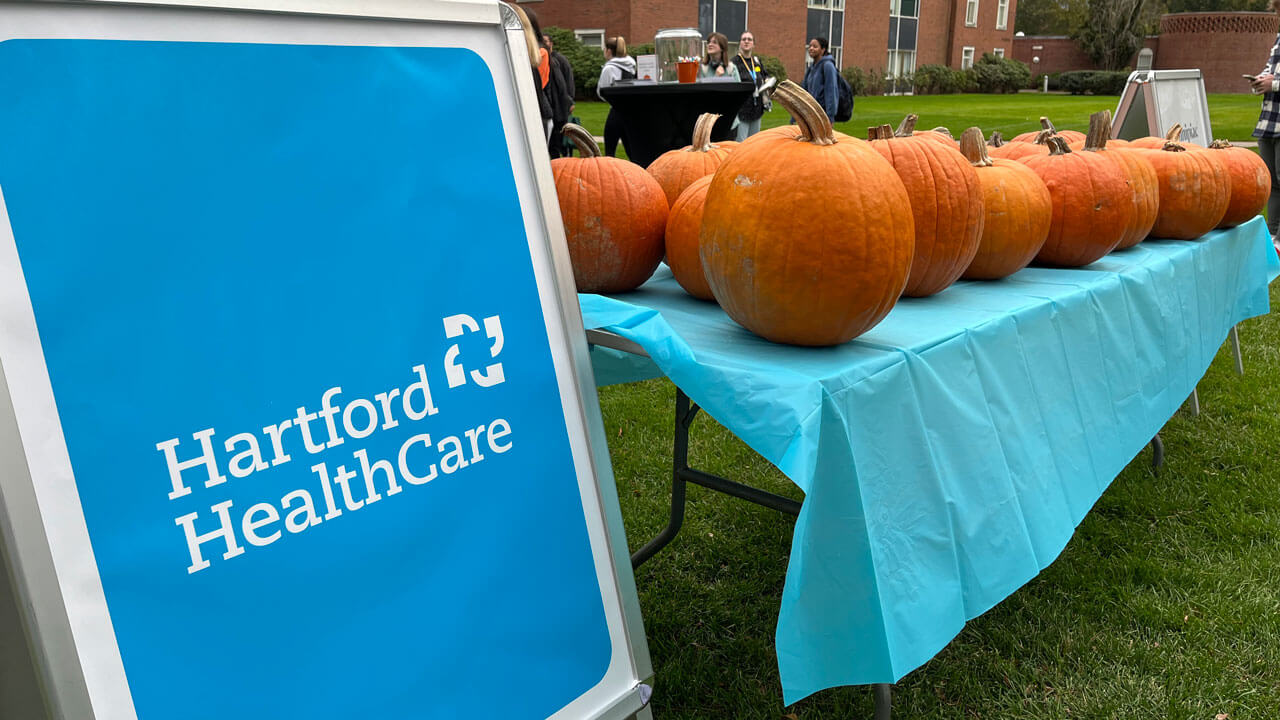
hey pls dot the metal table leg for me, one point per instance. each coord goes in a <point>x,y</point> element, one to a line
<point>884,700</point>
<point>1235,348</point>
<point>1157,452</point>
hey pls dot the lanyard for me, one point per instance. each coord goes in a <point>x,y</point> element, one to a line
<point>751,66</point>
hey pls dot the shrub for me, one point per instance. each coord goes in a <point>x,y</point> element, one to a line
<point>585,61</point>
<point>939,80</point>
<point>1096,82</point>
<point>992,74</point>
<point>641,49</point>
<point>864,82</point>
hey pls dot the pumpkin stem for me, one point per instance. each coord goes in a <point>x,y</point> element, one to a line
<point>974,147</point>
<point>880,132</point>
<point>1045,124</point>
<point>702,132</point>
<point>997,139</point>
<point>1042,137</point>
<point>1171,146</point>
<point>815,126</point>
<point>1099,131</point>
<point>907,126</point>
<point>944,131</point>
<point>582,139</point>
<point>1058,146</point>
<point>1175,133</point>
<point>1220,144</point>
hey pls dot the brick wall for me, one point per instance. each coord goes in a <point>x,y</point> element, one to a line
<point>1059,53</point>
<point>983,38</point>
<point>1222,45</point>
<point>612,15</point>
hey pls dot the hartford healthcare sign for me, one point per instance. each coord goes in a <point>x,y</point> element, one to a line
<point>292,423</point>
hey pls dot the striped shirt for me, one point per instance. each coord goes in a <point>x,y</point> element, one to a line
<point>1269,118</point>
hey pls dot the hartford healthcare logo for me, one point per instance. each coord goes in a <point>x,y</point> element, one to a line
<point>212,458</point>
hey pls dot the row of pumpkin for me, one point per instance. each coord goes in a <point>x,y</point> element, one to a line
<point>808,236</point>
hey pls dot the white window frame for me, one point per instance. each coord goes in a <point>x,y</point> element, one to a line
<point>895,9</point>
<point>998,52</point>
<point>591,31</point>
<point>966,57</point>
<point>971,13</point>
<point>1002,14</point>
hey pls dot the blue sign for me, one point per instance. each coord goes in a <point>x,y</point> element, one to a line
<point>286,302</point>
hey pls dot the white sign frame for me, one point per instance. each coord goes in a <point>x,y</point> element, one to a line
<point>43,534</point>
<point>1144,106</point>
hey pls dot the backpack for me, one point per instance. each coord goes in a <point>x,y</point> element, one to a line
<point>627,74</point>
<point>844,109</point>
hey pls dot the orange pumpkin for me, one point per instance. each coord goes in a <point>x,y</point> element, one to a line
<point>1250,182</point>
<point>946,202</point>
<point>683,227</point>
<point>1195,190</point>
<point>1045,124</point>
<point>807,235</point>
<point>614,217</point>
<point>1091,204</point>
<point>676,169</point>
<point>1157,143</point>
<point>1022,150</point>
<point>1017,212</point>
<point>1139,174</point>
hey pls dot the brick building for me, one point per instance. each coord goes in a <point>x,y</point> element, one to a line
<point>1221,45</point>
<point>872,34</point>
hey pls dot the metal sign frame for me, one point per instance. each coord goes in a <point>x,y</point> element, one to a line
<point>1138,113</point>
<point>43,536</point>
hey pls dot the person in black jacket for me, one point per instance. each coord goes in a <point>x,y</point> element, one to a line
<point>560,92</point>
<point>750,68</point>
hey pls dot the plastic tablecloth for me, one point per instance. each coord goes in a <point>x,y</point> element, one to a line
<point>947,455</point>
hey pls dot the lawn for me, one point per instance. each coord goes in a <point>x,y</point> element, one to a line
<point>1232,116</point>
<point>1165,604</point>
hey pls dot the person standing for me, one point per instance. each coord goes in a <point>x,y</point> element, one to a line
<point>560,92</point>
<point>820,77</point>
<point>617,66</point>
<point>748,66</point>
<point>716,62</point>
<point>1268,129</point>
<point>541,74</point>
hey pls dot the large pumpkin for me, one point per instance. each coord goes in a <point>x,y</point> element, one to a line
<point>1195,190</point>
<point>1152,142</point>
<point>1017,212</point>
<point>683,228</point>
<point>1250,182</point>
<point>1045,124</point>
<point>1139,173</point>
<point>807,235</point>
<point>614,217</point>
<point>946,202</point>
<point>676,169</point>
<point>1091,204</point>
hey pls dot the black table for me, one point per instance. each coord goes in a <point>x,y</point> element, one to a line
<point>658,117</point>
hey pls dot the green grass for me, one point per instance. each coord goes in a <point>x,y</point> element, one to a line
<point>1165,604</point>
<point>1232,116</point>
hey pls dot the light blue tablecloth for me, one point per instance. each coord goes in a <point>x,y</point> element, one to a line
<point>947,455</point>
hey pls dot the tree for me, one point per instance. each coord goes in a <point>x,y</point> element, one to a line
<point>1049,17</point>
<point>1112,32</point>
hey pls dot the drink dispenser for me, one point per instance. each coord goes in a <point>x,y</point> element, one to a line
<point>674,46</point>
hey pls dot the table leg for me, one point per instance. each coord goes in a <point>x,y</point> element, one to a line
<point>1157,452</point>
<point>1235,348</point>
<point>682,474</point>
<point>884,700</point>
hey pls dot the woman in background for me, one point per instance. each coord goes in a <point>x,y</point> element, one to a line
<point>716,63</point>
<point>617,66</point>
<point>749,66</point>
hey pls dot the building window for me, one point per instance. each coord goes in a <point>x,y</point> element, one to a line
<point>723,16</point>
<point>999,52</point>
<point>966,58</point>
<point>1002,14</point>
<point>971,13</point>
<point>591,38</point>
